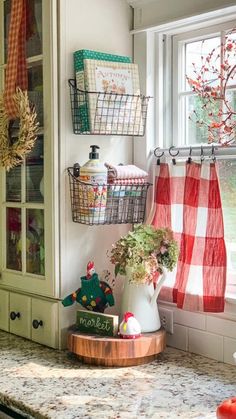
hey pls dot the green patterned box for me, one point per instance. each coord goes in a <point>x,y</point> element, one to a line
<point>79,57</point>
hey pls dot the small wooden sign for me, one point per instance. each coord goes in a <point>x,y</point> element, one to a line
<point>97,323</point>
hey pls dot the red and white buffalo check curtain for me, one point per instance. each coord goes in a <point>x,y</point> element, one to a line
<point>16,70</point>
<point>187,199</point>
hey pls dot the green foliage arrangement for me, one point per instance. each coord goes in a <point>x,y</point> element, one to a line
<point>145,251</point>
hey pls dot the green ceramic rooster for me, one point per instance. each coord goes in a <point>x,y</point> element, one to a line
<point>94,294</point>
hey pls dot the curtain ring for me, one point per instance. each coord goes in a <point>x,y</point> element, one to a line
<point>158,155</point>
<point>189,160</point>
<point>213,156</point>
<point>202,157</point>
<point>173,155</point>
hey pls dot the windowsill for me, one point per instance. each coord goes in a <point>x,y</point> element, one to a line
<point>230,294</point>
<point>230,298</point>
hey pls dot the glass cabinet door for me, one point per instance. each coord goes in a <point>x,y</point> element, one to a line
<point>13,239</point>
<point>23,205</point>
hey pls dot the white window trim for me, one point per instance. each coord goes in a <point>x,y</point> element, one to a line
<point>151,47</point>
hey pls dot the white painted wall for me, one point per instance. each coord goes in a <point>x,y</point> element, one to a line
<point>102,25</point>
<point>162,11</point>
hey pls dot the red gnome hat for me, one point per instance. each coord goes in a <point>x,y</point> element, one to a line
<point>90,267</point>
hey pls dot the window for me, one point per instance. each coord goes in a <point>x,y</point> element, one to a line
<point>189,48</point>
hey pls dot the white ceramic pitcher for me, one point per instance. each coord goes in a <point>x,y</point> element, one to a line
<point>141,300</point>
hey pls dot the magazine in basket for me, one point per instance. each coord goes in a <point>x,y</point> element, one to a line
<point>117,109</point>
<point>79,57</point>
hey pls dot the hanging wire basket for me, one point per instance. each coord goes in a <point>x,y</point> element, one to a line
<point>102,113</point>
<point>95,204</point>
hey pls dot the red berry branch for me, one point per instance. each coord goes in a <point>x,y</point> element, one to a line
<point>211,84</point>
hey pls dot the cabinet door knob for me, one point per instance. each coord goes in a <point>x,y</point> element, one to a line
<point>14,315</point>
<point>36,323</point>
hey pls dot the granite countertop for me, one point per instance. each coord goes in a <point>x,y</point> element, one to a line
<point>44,383</point>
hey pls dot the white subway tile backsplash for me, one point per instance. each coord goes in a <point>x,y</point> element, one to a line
<point>179,339</point>
<point>229,349</point>
<point>213,336</point>
<point>187,318</point>
<point>206,344</point>
<point>221,326</point>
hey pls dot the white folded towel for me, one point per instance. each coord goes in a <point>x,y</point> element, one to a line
<point>129,171</point>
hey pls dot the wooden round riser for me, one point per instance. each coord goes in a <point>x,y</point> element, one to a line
<point>116,352</point>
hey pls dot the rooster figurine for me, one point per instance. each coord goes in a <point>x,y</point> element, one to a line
<point>129,327</point>
<point>94,294</point>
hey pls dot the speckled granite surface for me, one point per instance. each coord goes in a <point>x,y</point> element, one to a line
<point>44,383</point>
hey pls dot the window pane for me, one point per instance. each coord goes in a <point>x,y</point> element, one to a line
<point>227,175</point>
<point>196,119</point>
<point>34,173</point>
<point>35,88</point>
<point>34,41</point>
<point>196,53</point>
<point>14,245</point>
<point>13,185</point>
<point>230,113</point>
<point>195,133</point>
<point>230,57</point>
<point>35,241</point>
<point>34,27</point>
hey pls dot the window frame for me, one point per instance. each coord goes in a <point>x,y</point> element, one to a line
<point>155,44</point>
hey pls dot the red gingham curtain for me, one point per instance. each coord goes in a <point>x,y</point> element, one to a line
<point>187,200</point>
<point>16,70</point>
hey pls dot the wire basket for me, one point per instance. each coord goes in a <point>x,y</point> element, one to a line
<point>101,113</point>
<point>95,204</point>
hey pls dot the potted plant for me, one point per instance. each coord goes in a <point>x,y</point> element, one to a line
<point>143,256</point>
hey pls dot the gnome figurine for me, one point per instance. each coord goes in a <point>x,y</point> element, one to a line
<point>94,295</point>
<point>129,327</point>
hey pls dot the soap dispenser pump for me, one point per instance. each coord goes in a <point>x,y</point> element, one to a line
<point>93,155</point>
<point>94,173</point>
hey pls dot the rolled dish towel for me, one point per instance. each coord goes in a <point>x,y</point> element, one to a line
<point>129,171</point>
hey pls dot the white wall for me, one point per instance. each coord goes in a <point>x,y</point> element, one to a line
<point>162,11</point>
<point>101,25</point>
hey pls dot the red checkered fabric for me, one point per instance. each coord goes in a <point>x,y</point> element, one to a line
<point>16,70</point>
<point>187,199</point>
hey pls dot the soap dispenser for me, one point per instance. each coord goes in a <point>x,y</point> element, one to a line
<point>94,173</point>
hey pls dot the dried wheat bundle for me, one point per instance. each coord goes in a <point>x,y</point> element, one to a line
<point>12,152</point>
